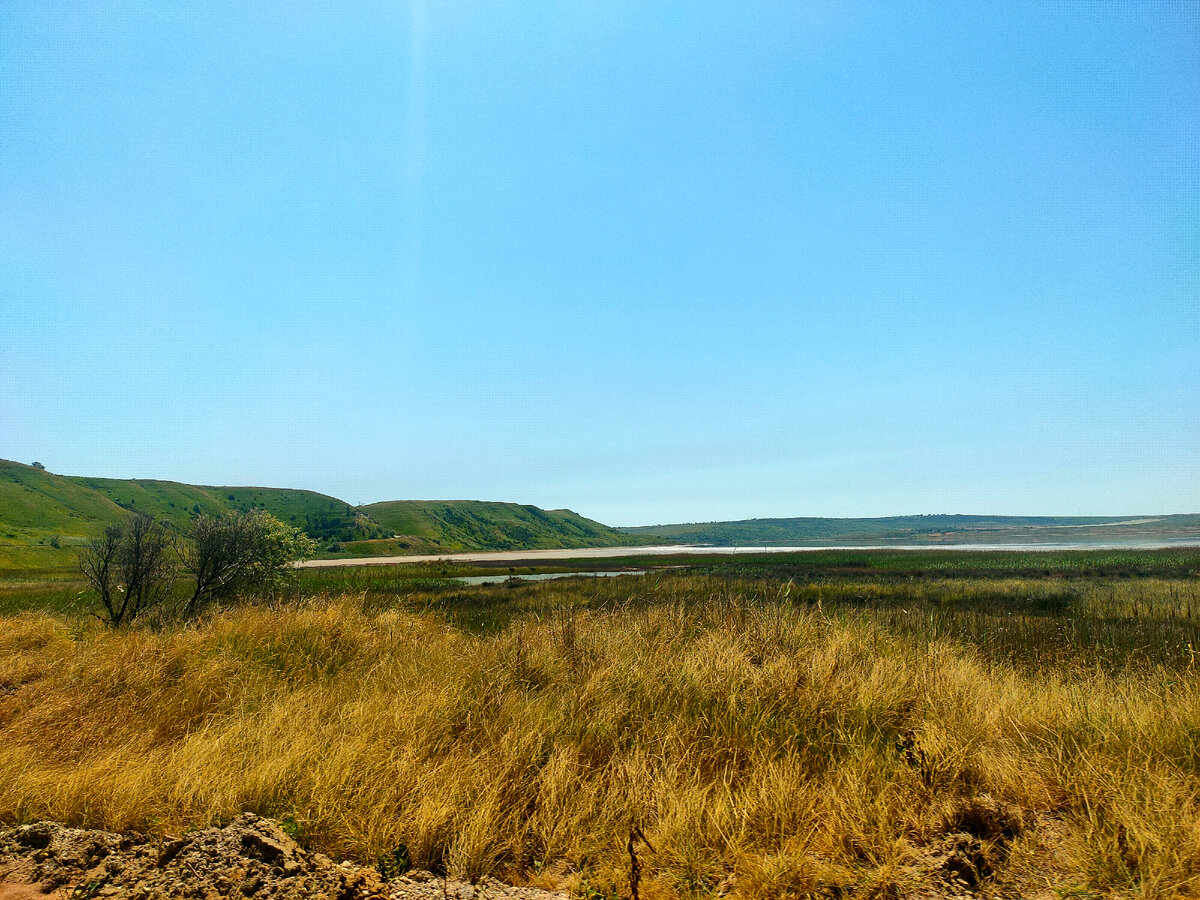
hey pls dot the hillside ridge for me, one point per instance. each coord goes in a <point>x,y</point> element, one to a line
<point>487,524</point>
<point>44,516</point>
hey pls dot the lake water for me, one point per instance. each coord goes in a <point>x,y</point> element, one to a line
<point>533,556</point>
<point>500,579</point>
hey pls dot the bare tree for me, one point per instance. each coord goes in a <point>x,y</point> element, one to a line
<point>128,568</point>
<point>220,549</point>
<point>98,563</point>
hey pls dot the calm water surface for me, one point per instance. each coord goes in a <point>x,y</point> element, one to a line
<point>500,579</point>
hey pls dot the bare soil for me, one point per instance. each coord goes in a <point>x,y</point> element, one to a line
<point>251,857</point>
<point>254,858</point>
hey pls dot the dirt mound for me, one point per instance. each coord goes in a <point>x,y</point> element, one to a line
<point>250,857</point>
<point>971,846</point>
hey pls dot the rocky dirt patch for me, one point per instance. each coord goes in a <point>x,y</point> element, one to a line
<point>251,857</point>
<point>972,844</point>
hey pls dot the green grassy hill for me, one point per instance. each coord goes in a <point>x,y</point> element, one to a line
<point>442,525</point>
<point>44,517</point>
<point>323,517</point>
<point>930,530</point>
<point>39,510</point>
<point>36,503</point>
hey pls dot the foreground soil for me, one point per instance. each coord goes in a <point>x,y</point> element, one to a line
<point>253,857</point>
<point>250,857</point>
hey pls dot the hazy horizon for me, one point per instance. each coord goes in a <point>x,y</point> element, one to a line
<point>655,264</point>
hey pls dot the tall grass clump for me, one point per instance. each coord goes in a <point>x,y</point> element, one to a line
<point>766,743</point>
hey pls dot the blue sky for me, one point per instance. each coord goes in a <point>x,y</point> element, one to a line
<point>651,261</point>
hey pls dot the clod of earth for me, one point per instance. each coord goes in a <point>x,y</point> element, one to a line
<point>250,857</point>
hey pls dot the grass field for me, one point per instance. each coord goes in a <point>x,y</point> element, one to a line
<point>815,726</point>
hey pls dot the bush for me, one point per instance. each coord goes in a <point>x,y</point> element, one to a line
<point>240,551</point>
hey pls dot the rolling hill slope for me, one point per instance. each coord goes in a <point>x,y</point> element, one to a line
<point>436,525</point>
<point>44,517</point>
<point>35,503</point>
<point>39,509</point>
<point>321,516</point>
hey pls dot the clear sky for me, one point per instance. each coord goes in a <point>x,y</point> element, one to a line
<point>655,262</point>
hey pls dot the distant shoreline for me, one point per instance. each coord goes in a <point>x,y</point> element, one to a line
<point>700,550</point>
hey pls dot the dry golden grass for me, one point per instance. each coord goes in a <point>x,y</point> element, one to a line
<point>799,751</point>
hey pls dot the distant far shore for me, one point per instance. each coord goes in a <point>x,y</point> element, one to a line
<point>700,549</point>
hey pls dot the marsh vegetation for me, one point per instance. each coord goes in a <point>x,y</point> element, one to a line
<point>774,727</point>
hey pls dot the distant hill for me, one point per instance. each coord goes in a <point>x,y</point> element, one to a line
<point>39,508</point>
<point>36,506</point>
<point>321,516</point>
<point>44,517</point>
<point>929,530</point>
<point>445,525</point>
